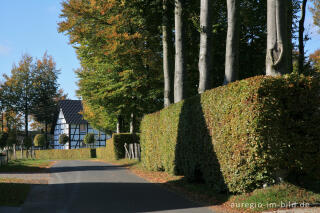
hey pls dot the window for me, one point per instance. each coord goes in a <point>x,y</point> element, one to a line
<point>83,128</point>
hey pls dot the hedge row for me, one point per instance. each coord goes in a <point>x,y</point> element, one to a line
<point>240,136</point>
<point>114,149</point>
<point>72,154</point>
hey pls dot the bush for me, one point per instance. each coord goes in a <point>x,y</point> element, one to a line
<point>27,142</point>
<point>12,138</point>
<point>71,154</point>
<point>3,139</point>
<point>89,138</point>
<point>114,149</point>
<point>39,140</point>
<point>63,139</point>
<point>240,136</point>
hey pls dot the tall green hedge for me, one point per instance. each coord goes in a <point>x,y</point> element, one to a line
<point>71,154</point>
<point>240,136</point>
<point>114,149</point>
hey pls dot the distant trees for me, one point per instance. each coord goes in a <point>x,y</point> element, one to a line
<point>19,89</point>
<point>31,89</point>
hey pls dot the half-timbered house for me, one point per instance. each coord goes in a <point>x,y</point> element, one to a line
<point>71,122</point>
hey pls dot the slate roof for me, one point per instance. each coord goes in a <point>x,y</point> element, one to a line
<point>71,110</point>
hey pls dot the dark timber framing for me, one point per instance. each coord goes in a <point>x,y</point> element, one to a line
<point>71,122</point>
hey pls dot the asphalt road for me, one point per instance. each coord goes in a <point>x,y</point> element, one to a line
<point>94,187</point>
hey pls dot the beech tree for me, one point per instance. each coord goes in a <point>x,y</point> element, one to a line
<point>120,58</point>
<point>232,45</point>
<point>167,56</point>
<point>180,64</point>
<point>205,55</point>
<point>316,12</point>
<point>301,36</point>
<point>276,57</point>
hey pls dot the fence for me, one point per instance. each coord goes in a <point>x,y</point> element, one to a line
<point>133,151</point>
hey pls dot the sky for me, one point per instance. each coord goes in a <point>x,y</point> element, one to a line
<point>30,26</point>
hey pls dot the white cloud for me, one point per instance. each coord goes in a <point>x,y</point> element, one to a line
<point>4,50</point>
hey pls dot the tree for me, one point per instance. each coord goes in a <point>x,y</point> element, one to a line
<point>316,12</point>
<point>46,88</point>
<point>167,56</point>
<point>205,56</point>
<point>180,64</point>
<point>89,139</point>
<point>232,46</point>
<point>119,54</point>
<point>3,139</point>
<point>315,60</point>
<point>39,140</point>
<point>19,89</point>
<point>276,57</point>
<point>301,36</point>
<point>63,139</point>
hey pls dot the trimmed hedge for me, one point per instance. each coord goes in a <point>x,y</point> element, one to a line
<point>240,136</point>
<point>71,154</point>
<point>114,149</point>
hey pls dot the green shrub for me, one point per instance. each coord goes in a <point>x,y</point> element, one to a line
<point>67,154</point>
<point>39,140</point>
<point>89,138</point>
<point>240,136</point>
<point>63,139</point>
<point>27,142</point>
<point>3,139</point>
<point>114,149</point>
<point>12,138</point>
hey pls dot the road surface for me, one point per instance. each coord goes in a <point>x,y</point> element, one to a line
<point>94,187</point>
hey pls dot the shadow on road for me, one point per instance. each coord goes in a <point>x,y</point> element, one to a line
<point>110,197</point>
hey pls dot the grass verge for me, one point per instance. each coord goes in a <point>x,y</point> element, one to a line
<point>270,198</point>
<point>26,165</point>
<point>13,193</point>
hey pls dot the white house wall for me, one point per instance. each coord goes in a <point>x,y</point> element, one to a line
<point>61,128</point>
<point>76,136</point>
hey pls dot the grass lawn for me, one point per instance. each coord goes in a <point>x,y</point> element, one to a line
<point>26,165</point>
<point>269,198</point>
<point>14,191</point>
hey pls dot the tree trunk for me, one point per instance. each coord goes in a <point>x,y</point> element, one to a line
<point>205,54</point>
<point>26,124</point>
<point>290,31</point>
<point>120,124</point>
<point>301,38</point>
<point>180,67</point>
<point>277,50</point>
<point>46,134</point>
<point>2,121</point>
<point>232,45</point>
<point>132,123</point>
<point>167,57</point>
